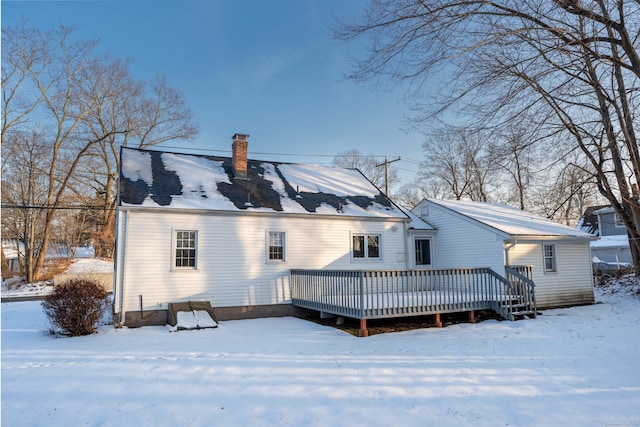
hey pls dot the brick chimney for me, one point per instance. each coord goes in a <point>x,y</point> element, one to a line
<point>239,160</point>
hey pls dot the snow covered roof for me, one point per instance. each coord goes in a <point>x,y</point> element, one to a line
<point>604,210</point>
<point>512,221</point>
<point>418,223</point>
<point>157,179</point>
<point>615,241</point>
<point>589,220</point>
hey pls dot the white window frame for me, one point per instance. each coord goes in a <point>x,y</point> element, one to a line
<point>174,250</point>
<point>283,236</point>
<point>366,257</point>
<point>415,239</point>
<point>553,257</point>
<point>618,220</point>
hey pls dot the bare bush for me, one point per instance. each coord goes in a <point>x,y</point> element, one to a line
<point>76,307</point>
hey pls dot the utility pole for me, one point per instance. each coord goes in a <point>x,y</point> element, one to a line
<point>386,173</point>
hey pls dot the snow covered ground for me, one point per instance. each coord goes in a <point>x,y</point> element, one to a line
<point>15,287</point>
<point>570,367</point>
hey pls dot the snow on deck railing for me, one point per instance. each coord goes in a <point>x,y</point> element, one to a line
<point>397,293</point>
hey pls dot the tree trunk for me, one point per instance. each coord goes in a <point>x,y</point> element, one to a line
<point>6,271</point>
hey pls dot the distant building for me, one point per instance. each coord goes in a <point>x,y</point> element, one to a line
<point>611,251</point>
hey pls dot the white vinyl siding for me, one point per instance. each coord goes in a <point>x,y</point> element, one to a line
<point>461,243</point>
<point>571,285</point>
<point>232,270</point>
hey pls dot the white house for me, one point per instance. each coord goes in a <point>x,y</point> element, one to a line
<point>228,231</point>
<point>492,235</point>
<point>250,236</point>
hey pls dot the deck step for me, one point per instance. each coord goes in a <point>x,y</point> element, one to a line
<point>524,314</point>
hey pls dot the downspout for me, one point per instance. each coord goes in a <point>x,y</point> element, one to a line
<point>407,246</point>
<point>508,247</point>
<point>118,274</point>
<point>121,278</point>
<point>116,252</point>
<point>125,251</point>
<point>592,272</point>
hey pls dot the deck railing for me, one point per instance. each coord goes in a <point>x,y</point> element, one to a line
<point>521,279</point>
<point>397,293</point>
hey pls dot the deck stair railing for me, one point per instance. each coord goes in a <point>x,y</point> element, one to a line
<point>520,277</point>
<point>378,294</point>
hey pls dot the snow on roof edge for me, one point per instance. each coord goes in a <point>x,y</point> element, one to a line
<point>510,221</point>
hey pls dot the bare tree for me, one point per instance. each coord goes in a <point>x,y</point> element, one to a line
<point>24,189</point>
<point>515,155</point>
<point>569,68</point>
<point>368,164</point>
<point>460,161</point>
<point>572,189</point>
<point>410,195</point>
<point>130,113</point>
<point>85,105</point>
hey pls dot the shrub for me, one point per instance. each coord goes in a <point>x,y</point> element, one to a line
<point>75,307</point>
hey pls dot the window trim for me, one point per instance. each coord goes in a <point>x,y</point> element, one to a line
<point>283,235</point>
<point>174,248</point>
<point>366,257</point>
<point>618,221</point>
<point>553,257</point>
<point>415,239</point>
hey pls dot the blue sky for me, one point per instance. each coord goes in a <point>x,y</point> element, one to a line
<point>267,68</point>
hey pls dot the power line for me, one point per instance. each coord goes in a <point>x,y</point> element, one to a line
<point>273,154</point>
<point>415,162</point>
<point>62,207</point>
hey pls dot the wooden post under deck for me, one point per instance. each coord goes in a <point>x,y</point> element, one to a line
<point>363,328</point>
<point>438,321</point>
<point>472,316</point>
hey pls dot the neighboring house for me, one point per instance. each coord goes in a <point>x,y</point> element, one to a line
<point>611,251</point>
<point>589,220</point>
<point>229,230</point>
<point>491,235</point>
<point>14,253</point>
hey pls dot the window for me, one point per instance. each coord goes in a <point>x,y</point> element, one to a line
<point>423,251</point>
<point>186,247</point>
<point>619,220</point>
<point>366,246</point>
<point>276,246</point>
<point>549,257</point>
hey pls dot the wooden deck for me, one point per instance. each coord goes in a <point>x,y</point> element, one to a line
<point>376,294</point>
